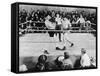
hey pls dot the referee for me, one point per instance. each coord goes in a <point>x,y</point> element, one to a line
<point>58,26</point>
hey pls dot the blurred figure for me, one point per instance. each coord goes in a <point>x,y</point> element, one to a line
<point>62,45</point>
<point>49,66</point>
<point>45,51</point>
<point>66,24</point>
<point>23,68</point>
<point>52,16</point>
<point>81,21</point>
<point>85,60</point>
<point>67,61</point>
<point>67,40</point>
<point>59,62</point>
<point>40,66</point>
<point>64,62</point>
<point>88,25</point>
<point>50,26</point>
<point>23,15</point>
<point>93,62</point>
<point>58,26</point>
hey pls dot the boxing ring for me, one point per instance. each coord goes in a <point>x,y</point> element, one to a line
<point>32,44</point>
<point>34,41</point>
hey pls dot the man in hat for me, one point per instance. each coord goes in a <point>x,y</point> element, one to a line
<point>85,60</point>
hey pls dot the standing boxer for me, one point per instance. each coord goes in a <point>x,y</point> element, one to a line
<point>66,25</point>
<point>58,26</point>
<point>62,45</point>
<point>50,26</point>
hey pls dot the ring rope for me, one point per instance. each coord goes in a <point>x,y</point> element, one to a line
<point>43,22</point>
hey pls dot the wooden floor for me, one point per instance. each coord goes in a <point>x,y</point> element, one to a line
<point>32,44</point>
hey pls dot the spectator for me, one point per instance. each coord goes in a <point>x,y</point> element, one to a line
<point>40,66</point>
<point>81,21</point>
<point>88,25</point>
<point>36,18</point>
<point>23,15</point>
<point>85,60</point>
<point>49,66</point>
<point>59,62</point>
<point>93,62</point>
<point>67,61</point>
<point>23,68</point>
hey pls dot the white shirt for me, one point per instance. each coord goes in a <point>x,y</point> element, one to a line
<point>66,23</point>
<point>85,60</point>
<point>58,20</point>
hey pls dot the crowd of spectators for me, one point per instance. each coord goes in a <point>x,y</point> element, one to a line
<point>36,18</point>
<point>61,62</point>
<point>39,15</point>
